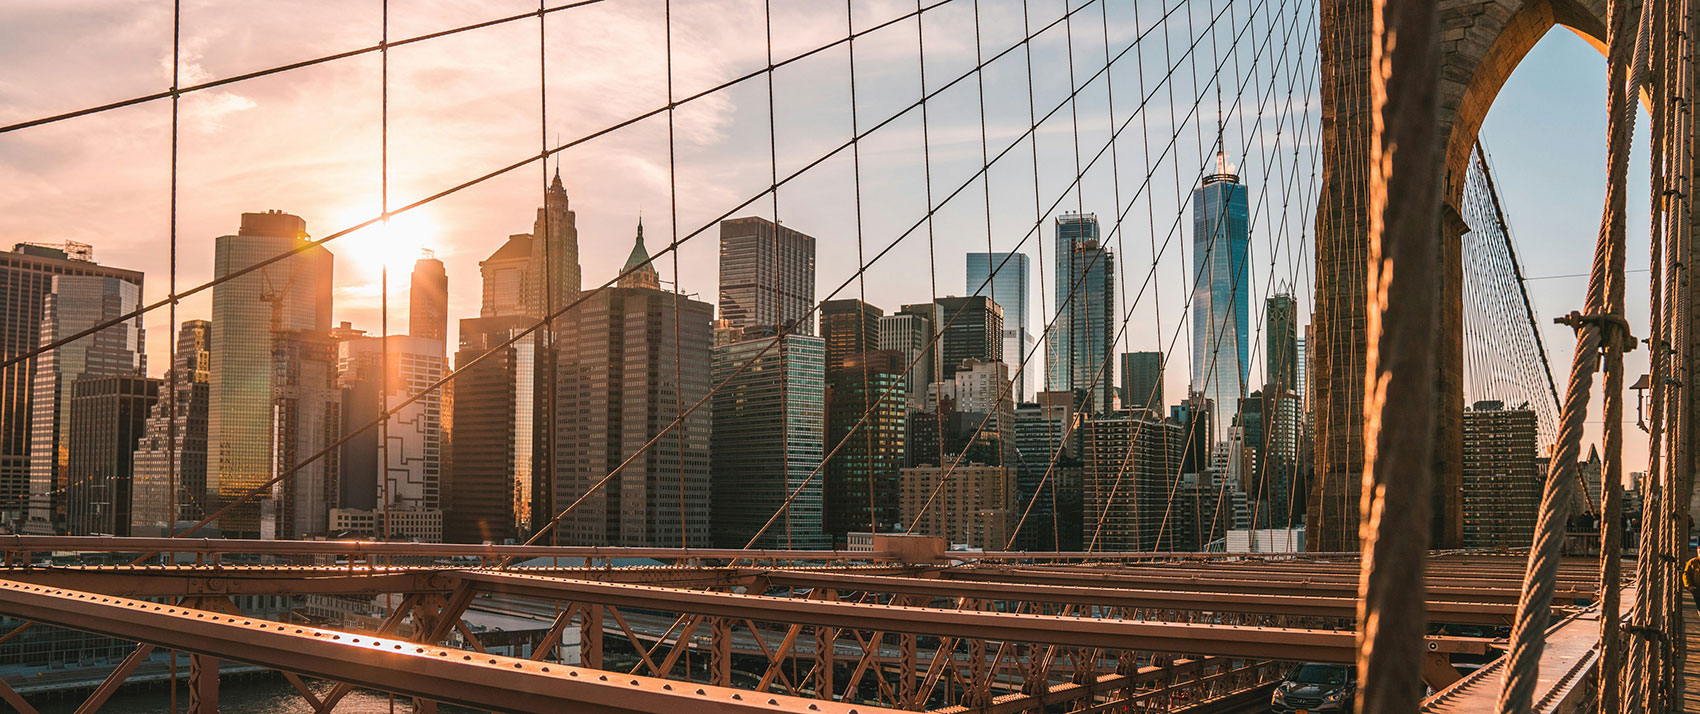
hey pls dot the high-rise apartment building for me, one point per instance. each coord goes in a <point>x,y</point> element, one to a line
<point>428,300</point>
<point>1131,462</point>
<point>1048,472</point>
<point>867,421</point>
<point>265,318</point>
<point>1502,486</point>
<point>969,504</point>
<point>108,415</point>
<point>768,439</point>
<point>1281,348</point>
<point>1221,293</point>
<point>1003,277</point>
<point>171,457</point>
<point>909,333</point>
<point>75,303</point>
<point>850,328</point>
<point>1078,347</point>
<point>767,275</point>
<point>1142,381</point>
<point>640,357</point>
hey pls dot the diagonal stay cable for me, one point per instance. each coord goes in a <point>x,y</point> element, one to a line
<point>547,319</point>
<point>1014,143</point>
<point>1098,373</point>
<point>542,156</point>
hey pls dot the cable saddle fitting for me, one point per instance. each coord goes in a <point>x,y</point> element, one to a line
<point>1612,326</point>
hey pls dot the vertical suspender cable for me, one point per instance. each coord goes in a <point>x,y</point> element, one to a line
<point>1596,329</point>
<point>1403,316</point>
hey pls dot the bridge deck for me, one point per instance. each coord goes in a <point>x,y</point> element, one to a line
<point>1691,663</point>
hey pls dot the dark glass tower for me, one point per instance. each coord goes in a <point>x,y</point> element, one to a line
<point>1078,348</point>
<point>768,434</point>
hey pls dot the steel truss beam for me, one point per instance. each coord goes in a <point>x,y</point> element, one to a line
<point>489,682</point>
<point>1114,634</point>
<point>1261,604</point>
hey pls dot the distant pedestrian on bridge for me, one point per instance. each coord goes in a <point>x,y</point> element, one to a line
<point>1691,579</point>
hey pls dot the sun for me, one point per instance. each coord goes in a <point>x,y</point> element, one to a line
<point>396,244</point>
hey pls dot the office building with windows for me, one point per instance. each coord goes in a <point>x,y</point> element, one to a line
<point>767,440</point>
<point>1003,277</point>
<point>767,275</point>
<point>1078,347</point>
<point>1221,280</point>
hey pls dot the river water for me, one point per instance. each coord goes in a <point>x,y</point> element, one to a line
<point>265,694</point>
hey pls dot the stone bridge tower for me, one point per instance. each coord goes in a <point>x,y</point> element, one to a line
<point>1482,41</point>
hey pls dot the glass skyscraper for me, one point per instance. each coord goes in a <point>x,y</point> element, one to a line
<point>289,297</point>
<point>1078,348</point>
<point>767,439</point>
<point>1220,294</point>
<point>1007,287</point>
<point>73,304</point>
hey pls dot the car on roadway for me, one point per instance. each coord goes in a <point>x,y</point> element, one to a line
<point>1315,687</point>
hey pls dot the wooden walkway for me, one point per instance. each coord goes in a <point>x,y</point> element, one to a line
<point>1691,662</point>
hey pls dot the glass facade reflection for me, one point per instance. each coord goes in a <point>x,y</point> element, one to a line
<point>1220,295</point>
<point>1078,348</point>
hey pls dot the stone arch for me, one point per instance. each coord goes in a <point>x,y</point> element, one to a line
<point>1482,42</point>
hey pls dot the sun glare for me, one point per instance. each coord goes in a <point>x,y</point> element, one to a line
<point>397,244</point>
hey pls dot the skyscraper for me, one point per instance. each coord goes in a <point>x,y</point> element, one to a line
<point>866,427</point>
<point>75,303</point>
<point>306,411</point>
<point>1281,353</point>
<point>768,437</point>
<point>1502,486</point>
<point>504,278</point>
<point>850,327</point>
<point>1142,381</point>
<point>174,440</point>
<point>767,275</point>
<point>26,276</point>
<point>411,463</point>
<point>639,357</point>
<point>909,333</point>
<point>1078,348</point>
<point>286,302</point>
<point>1048,471</point>
<point>428,299</point>
<point>1003,277</point>
<point>1131,462</point>
<point>107,417</point>
<point>1220,293</point>
<point>970,328</point>
<point>487,492</point>
<point>553,274</point>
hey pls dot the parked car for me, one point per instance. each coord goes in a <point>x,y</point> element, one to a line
<point>1315,687</point>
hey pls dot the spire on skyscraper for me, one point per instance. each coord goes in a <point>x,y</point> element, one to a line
<point>641,272</point>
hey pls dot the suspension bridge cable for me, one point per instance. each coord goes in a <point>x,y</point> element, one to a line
<point>523,333</point>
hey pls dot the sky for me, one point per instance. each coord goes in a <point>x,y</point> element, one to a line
<point>310,141</point>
